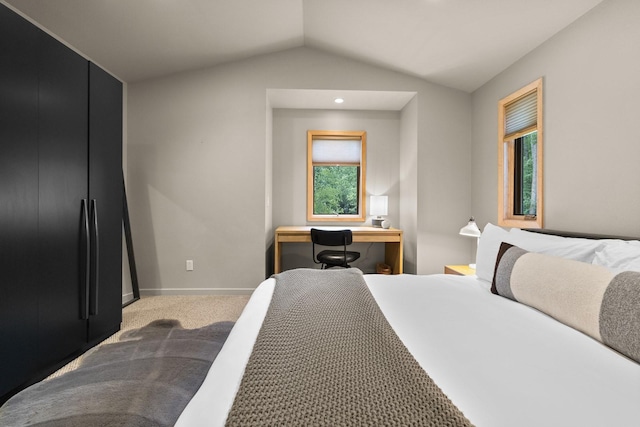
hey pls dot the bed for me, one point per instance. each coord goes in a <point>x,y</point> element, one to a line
<point>546,334</point>
<point>501,362</point>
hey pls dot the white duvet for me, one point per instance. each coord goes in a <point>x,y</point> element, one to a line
<point>502,363</point>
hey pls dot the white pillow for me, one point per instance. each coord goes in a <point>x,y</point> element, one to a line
<point>565,247</point>
<point>578,249</point>
<point>619,255</point>
<point>488,246</point>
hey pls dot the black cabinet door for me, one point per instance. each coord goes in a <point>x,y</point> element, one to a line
<point>60,155</point>
<point>63,169</point>
<point>18,200</point>
<point>105,193</point>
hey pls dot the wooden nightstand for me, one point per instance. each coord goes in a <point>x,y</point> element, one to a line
<point>460,270</point>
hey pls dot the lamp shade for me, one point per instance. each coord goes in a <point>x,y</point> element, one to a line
<point>379,205</point>
<point>471,229</point>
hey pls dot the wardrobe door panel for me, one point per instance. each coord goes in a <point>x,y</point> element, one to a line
<point>18,200</point>
<point>105,192</point>
<point>63,187</point>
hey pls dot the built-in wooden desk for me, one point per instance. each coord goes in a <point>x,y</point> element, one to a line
<point>392,238</point>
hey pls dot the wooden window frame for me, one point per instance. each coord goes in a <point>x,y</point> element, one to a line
<point>337,135</point>
<point>506,156</point>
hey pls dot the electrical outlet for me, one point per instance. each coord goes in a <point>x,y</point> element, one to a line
<point>189,265</point>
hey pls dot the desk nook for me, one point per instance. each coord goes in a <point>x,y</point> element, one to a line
<point>391,237</point>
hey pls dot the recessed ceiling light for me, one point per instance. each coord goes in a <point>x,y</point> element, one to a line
<point>338,100</point>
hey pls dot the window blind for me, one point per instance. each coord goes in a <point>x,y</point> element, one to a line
<point>521,113</point>
<point>336,151</point>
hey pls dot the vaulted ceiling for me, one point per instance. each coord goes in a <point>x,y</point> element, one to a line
<point>456,43</point>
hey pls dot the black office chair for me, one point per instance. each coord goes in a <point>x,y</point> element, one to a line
<point>329,258</point>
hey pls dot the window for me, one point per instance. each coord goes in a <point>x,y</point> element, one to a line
<point>520,158</point>
<point>336,175</point>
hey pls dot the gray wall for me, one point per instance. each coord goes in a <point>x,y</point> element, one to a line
<point>200,168</point>
<point>591,74</point>
<point>443,177</point>
<point>409,184</point>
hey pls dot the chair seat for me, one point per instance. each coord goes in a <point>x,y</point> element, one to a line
<point>334,258</point>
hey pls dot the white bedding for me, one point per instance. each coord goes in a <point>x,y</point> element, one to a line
<point>502,363</point>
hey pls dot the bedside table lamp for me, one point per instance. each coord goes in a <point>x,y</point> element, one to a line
<point>378,208</point>
<point>471,230</point>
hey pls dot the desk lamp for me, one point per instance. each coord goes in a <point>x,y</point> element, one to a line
<point>378,207</point>
<point>471,230</point>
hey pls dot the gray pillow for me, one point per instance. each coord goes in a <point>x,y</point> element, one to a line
<point>589,298</point>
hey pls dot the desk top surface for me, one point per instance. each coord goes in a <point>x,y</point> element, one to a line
<point>354,229</point>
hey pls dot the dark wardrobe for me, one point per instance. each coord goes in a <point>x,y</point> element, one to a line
<point>60,204</point>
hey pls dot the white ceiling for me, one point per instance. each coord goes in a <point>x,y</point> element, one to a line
<point>456,43</point>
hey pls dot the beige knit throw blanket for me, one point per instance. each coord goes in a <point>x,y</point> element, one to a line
<point>326,356</point>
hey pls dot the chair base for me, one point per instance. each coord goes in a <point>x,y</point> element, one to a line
<point>328,266</point>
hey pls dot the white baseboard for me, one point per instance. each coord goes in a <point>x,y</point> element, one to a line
<point>127,297</point>
<point>196,291</point>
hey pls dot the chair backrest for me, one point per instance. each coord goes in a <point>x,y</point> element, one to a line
<point>331,237</point>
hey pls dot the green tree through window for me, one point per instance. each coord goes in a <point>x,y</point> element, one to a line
<point>335,190</point>
<point>525,194</point>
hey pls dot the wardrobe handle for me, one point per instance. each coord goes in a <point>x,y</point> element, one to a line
<point>85,264</point>
<point>95,259</point>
